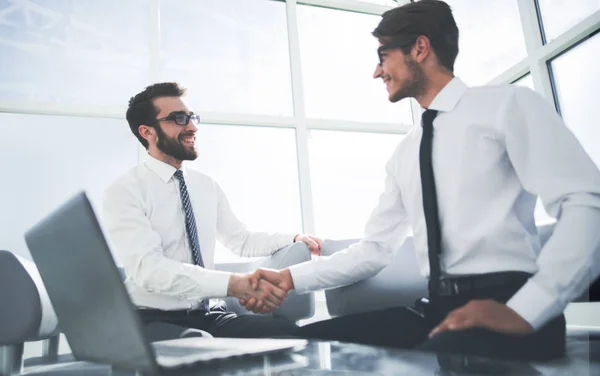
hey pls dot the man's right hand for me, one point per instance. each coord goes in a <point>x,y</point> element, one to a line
<point>280,278</point>
<point>266,296</point>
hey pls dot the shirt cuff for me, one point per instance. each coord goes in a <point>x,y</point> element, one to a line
<point>534,304</point>
<point>304,277</point>
<point>219,283</point>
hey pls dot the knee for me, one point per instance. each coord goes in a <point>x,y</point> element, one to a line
<point>281,327</point>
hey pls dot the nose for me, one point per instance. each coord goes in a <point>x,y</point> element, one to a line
<point>191,126</point>
<point>378,71</point>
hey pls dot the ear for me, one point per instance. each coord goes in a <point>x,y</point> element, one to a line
<point>421,49</point>
<point>147,132</point>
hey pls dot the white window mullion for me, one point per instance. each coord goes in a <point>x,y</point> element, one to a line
<point>154,71</point>
<point>350,5</point>
<point>302,132</point>
<point>533,43</point>
<point>153,57</point>
<point>570,37</point>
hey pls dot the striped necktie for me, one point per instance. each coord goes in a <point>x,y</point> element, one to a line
<point>190,220</point>
<point>190,226</point>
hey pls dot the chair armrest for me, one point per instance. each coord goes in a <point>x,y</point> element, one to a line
<point>398,284</point>
<point>295,307</point>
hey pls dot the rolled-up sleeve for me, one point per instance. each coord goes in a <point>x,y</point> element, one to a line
<point>139,249</point>
<point>551,163</point>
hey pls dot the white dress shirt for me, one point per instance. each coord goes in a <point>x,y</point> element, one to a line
<point>145,223</point>
<point>494,149</point>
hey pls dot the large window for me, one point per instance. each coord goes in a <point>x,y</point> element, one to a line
<point>233,54</point>
<point>574,73</point>
<point>295,129</point>
<point>73,52</point>
<point>491,38</point>
<point>46,159</point>
<point>560,15</point>
<point>339,56</point>
<point>258,171</point>
<point>348,174</point>
<point>526,81</point>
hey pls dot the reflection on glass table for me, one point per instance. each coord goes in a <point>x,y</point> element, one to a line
<point>352,359</point>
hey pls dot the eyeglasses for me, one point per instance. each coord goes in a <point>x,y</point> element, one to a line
<point>181,118</point>
<point>393,45</point>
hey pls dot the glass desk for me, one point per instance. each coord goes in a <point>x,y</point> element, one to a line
<point>334,358</point>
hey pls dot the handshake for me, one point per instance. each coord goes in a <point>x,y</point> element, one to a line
<point>262,291</point>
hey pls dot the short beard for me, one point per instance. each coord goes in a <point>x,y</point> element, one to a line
<point>413,86</point>
<point>174,146</point>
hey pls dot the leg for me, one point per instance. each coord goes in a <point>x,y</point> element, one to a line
<point>397,327</point>
<point>545,344</point>
<point>161,325</point>
<point>249,326</point>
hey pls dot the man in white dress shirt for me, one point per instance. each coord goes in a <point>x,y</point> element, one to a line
<point>163,221</point>
<point>492,150</point>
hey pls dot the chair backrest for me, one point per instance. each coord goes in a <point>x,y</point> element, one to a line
<point>21,311</point>
<point>26,313</point>
<point>400,283</point>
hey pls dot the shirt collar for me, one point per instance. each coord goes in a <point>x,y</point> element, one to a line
<point>449,96</point>
<point>164,170</point>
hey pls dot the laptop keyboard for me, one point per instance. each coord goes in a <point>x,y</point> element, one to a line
<point>177,351</point>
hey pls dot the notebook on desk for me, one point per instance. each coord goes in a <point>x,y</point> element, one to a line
<point>95,311</point>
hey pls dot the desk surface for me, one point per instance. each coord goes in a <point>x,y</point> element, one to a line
<point>333,358</point>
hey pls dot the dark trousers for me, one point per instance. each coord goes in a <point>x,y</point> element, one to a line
<point>218,322</point>
<point>408,327</point>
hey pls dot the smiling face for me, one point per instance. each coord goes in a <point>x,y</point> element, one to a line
<point>402,75</point>
<point>169,141</point>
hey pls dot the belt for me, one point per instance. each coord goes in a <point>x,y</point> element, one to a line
<point>448,286</point>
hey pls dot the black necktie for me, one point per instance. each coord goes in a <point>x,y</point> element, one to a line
<point>430,205</point>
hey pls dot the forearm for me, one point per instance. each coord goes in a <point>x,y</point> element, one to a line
<point>158,274</point>
<point>257,244</point>
<point>567,264</point>
<point>360,261</point>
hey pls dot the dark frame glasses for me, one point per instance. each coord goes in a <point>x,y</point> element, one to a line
<point>181,118</point>
<point>393,45</point>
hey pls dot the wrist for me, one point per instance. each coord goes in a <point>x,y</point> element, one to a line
<point>288,276</point>
<point>235,285</point>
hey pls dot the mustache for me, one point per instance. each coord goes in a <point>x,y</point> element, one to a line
<point>186,134</point>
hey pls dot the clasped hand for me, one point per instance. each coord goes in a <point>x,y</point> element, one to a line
<point>267,286</point>
<point>257,294</point>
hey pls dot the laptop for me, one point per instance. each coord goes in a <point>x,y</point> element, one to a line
<point>95,311</point>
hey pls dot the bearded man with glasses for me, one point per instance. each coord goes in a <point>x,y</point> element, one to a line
<point>163,220</point>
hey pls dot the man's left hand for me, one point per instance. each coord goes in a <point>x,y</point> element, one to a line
<point>486,314</point>
<point>313,243</point>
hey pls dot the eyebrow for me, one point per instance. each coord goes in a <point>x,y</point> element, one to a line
<point>180,112</point>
